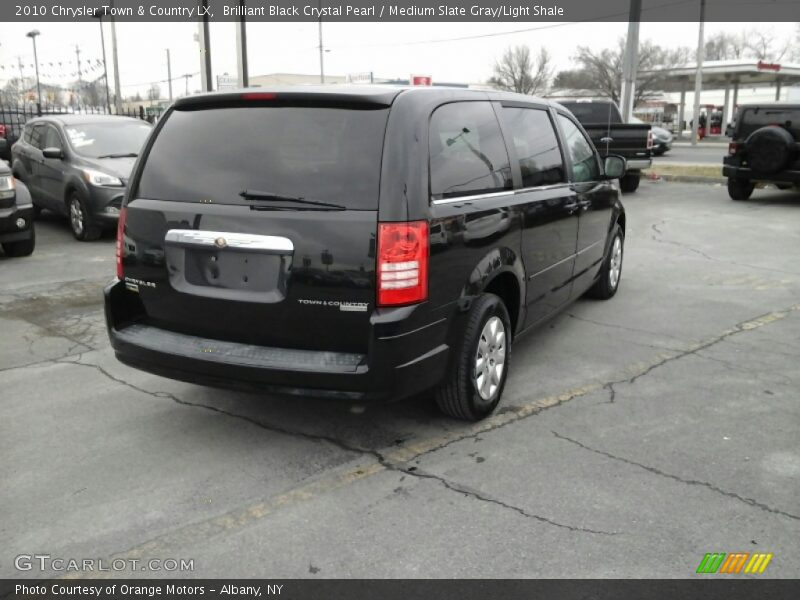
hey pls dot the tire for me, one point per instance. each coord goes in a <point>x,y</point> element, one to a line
<point>607,283</point>
<point>740,189</point>
<point>629,182</point>
<point>769,149</point>
<point>21,248</point>
<point>464,395</point>
<point>79,220</point>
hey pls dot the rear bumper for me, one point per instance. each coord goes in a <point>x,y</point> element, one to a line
<point>746,174</point>
<point>397,365</point>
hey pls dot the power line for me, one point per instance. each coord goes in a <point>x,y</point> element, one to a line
<point>511,32</point>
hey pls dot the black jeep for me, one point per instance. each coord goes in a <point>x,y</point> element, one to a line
<point>765,147</point>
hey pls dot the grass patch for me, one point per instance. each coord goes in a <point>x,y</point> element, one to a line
<point>710,171</point>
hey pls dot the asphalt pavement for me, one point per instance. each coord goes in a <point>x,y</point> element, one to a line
<point>635,435</point>
<point>702,154</point>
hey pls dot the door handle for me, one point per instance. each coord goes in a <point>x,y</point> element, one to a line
<point>585,204</point>
<point>606,140</point>
<point>571,207</point>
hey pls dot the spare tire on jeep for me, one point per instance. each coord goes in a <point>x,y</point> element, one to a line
<point>769,149</point>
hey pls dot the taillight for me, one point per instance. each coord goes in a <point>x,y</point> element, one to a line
<point>650,139</point>
<point>402,263</point>
<point>2,131</point>
<point>123,214</point>
<point>733,148</point>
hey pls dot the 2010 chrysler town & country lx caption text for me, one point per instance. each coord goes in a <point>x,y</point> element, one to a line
<point>359,242</point>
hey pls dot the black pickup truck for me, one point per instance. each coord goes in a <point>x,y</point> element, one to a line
<point>603,122</point>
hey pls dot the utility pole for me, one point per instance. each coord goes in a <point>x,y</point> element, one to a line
<point>186,77</point>
<point>78,61</point>
<point>630,61</point>
<point>99,17</point>
<point>321,48</point>
<point>698,78</point>
<point>204,39</point>
<point>169,75</point>
<point>115,58</point>
<point>241,49</point>
<point>80,75</point>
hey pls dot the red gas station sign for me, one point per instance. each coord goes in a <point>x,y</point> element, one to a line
<point>762,66</point>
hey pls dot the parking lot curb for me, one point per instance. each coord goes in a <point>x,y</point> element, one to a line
<point>689,179</point>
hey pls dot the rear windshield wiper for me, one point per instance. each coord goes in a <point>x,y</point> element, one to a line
<point>120,155</point>
<point>273,197</point>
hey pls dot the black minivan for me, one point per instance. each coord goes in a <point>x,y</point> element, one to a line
<point>360,243</point>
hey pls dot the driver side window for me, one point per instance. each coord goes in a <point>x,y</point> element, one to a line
<point>584,162</point>
<point>51,138</point>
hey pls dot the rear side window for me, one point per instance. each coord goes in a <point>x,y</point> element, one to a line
<point>315,153</point>
<point>36,136</point>
<point>593,112</point>
<point>536,145</point>
<point>758,117</point>
<point>467,152</point>
<point>584,161</point>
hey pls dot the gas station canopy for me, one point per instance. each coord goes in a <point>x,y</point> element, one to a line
<point>719,74</point>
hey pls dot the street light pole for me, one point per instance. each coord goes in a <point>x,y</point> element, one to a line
<point>698,78</point>
<point>32,34</point>
<point>99,17</point>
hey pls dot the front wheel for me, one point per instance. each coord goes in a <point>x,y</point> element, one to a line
<point>79,221</point>
<point>607,283</point>
<point>480,366</point>
<point>739,189</point>
<point>630,182</point>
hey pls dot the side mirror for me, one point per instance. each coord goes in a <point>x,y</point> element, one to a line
<point>53,153</point>
<point>615,167</point>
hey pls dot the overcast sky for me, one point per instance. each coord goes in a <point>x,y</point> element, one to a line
<point>388,49</point>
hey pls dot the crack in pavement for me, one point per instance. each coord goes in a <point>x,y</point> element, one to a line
<point>696,482</point>
<point>624,328</point>
<point>469,492</point>
<point>662,240</point>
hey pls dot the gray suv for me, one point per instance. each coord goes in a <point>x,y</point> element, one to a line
<point>78,166</point>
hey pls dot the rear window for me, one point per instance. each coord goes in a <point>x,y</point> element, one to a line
<point>315,153</point>
<point>761,116</point>
<point>593,112</point>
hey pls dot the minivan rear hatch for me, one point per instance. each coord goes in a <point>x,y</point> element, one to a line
<point>253,219</point>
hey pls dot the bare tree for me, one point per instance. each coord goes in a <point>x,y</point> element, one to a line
<point>763,45</point>
<point>726,46</point>
<point>515,71</point>
<point>601,71</point>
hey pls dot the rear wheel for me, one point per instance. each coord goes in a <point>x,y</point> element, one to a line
<point>21,248</point>
<point>611,271</point>
<point>473,389</point>
<point>739,189</point>
<point>82,227</point>
<point>630,182</point>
